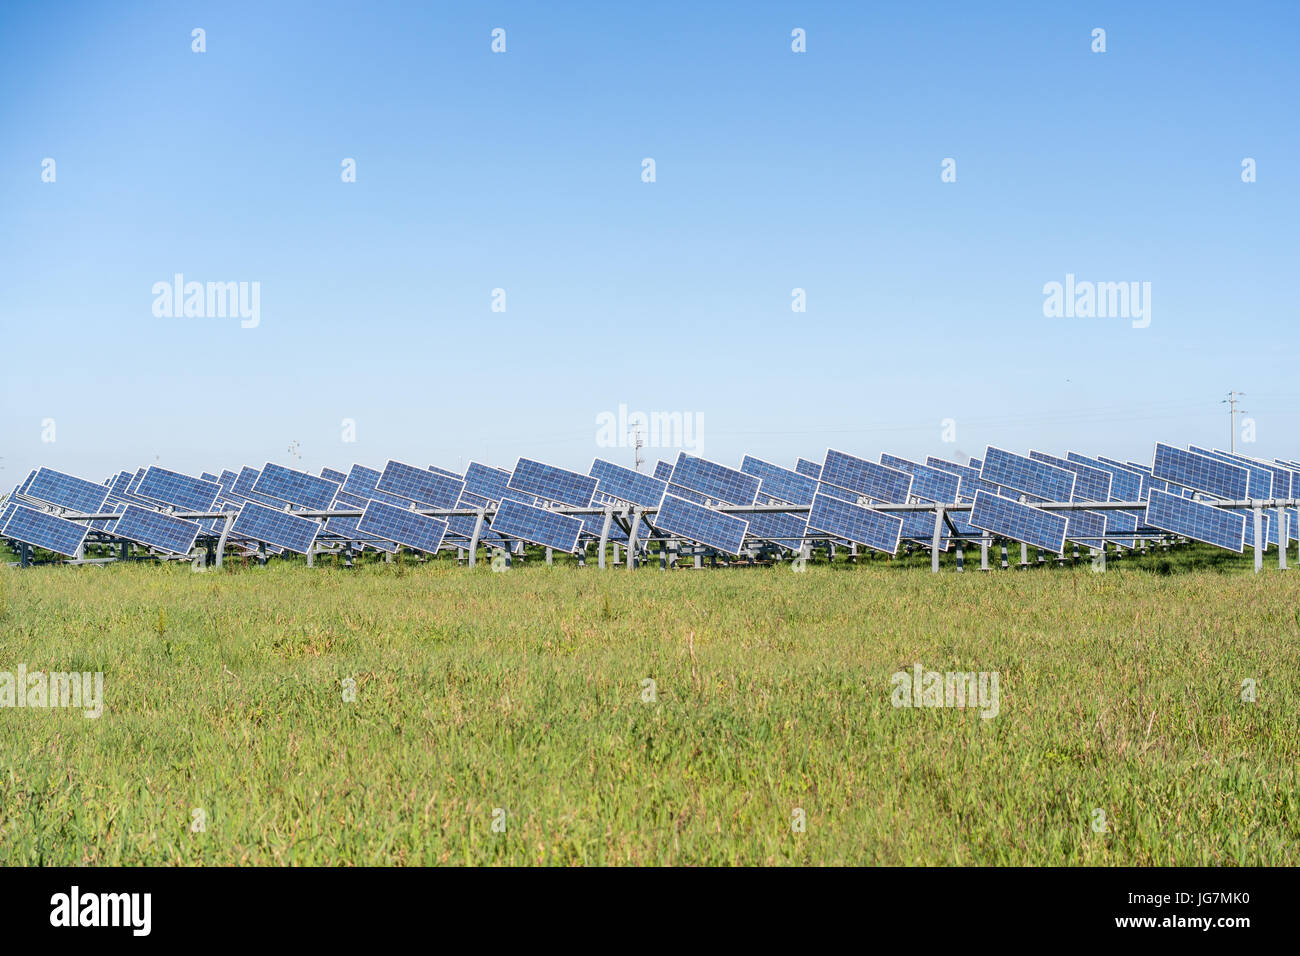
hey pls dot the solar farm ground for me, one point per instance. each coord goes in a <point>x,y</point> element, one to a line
<point>520,699</point>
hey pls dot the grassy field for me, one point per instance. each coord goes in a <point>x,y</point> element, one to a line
<point>520,698</point>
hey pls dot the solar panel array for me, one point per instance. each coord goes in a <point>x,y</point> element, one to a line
<point>1198,493</point>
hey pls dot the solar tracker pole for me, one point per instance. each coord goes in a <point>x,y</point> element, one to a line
<point>1283,537</point>
<point>221,542</point>
<point>631,538</point>
<point>311,551</point>
<point>24,555</point>
<point>936,540</point>
<point>984,553</point>
<point>1259,539</point>
<point>604,537</point>
<point>473,539</point>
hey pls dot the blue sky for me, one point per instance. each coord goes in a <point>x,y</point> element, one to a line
<point>522,171</point>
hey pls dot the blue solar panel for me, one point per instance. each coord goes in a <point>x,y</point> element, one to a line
<point>1125,483</point>
<point>810,468</point>
<point>1119,522</point>
<point>1200,522</point>
<point>1269,528</point>
<point>184,492</point>
<point>713,529</point>
<point>627,485</point>
<point>782,527</point>
<point>919,526</point>
<point>1199,472</point>
<point>446,473</point>
<point>1037,478</point>
<point>156,530</point>
<point>867,478</point>
<point>329,474</point>
<point>932,484</point>
<point>1090,484</point>
<point>428,488</point>
<point>663,470</point>
<point>780,484</point>
<point>1019,522</point>
<point>1281,476</point>
<point>361,483</point>
<point>279,528</point>
<point>714,481</point>
<point>208,476</point>
<point>970,477</point>
<point>44,530</point>
<point>1086,527</point>
<point>295,487</point>
<point>405,527</point>
<point>491,484</point>
<point>530,523</point>
<point>550,483</point>
<point>347,527</point>
<point>67,491</point>
<point>874,529</point>
<point>31,476</point>
<point>1259,480</point>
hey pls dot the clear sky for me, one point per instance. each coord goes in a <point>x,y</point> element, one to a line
<point>522,171</point>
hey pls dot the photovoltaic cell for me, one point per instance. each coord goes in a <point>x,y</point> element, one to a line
<point>1125,483</point>
<point>714,481</point>
<point>408,528</point>
<point>184,492</point>
<point>713,529</point>
<point>780,484</point>
<point>347,527</point>
<point>427,488</point>
<point>663,470</point>
<point>43,530</point>
<point>1259,480</point>
<point>66,491</point>
<point>1198,521</point>
<point>932,484</point>
<point>1199,472</point>
<point>627,485</point>
<point>361,483</point>
<point>530,523</point>
<point>874,529</point>
<point>260,523</point>
<point>551,483</point>
<point>781,527</point>
<point>491,484</point>
<point>295,487</point>
<point>1030,477</point>
<point>156,530</point>
<point>1281,476</point>
<point>1145,479</point>
<point>867,478</point>
<point>810,468</point>
<point>1090,484</point>
<point>970,477</point>
<point>329,474</point>
<point>1086,527</point>
<point>1019,522</point>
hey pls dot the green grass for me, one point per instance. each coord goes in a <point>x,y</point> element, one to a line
<point>523,691</point>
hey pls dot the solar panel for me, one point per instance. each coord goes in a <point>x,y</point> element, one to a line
<point>1037,478</point>
<point>550,483</point>
<point>1019,522</point>
<point>970,477</point>
<point>1146,481</point>
<point>713,529</point>
<point>27,482</point>
<point>184,492</point>
<point>1090,484</point>
<point>279,528</point>
<point>1281,476</point>
<point>873,529</point>
<point>867,478</point>
<point>361,483</point>
<point>780,484</point>
<point>919,526</point>
<point>44,530</point>
<point>1196,520</point>
<point>1259,480</point>
<point>932,484</point>
<point>1199,472</point>
<point>530,523</point>
<point>663,470</point>
<point>1125,483</point>
<point>428,488</point>
<point>347,527</point>
<point>403,526</point>
<point>1086,527</point>
<point>446,473</point>
<point>810,468</point>
<point>156,530</point>
<point>491,484</point>
<point>1119,522</point>
<point>716,482</point>
<point>781,527</point>
<point>295,487</point>
<point>627,485</point>
<point>66,491</point>
<point>329,474</point>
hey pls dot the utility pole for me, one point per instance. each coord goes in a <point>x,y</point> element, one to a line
<point>637,445</point>
<point>293,453</point>
<point>1231,401</point>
